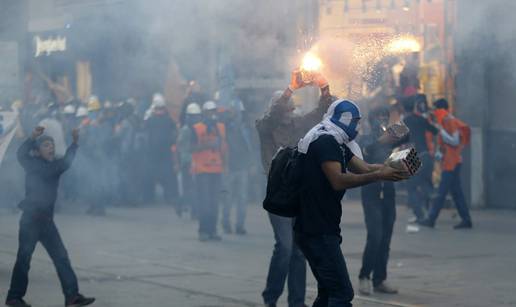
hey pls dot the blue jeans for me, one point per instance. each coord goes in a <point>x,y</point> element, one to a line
<point>329,268</point>
<point>208,191</point>
<point>420,187</point>
<point>380,215</point>
<point>287,261</point>
<point>34,229</point>
<point>237,186</point>
<point>450,182</point>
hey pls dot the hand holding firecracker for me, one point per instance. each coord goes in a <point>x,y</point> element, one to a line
<point>394,133</point>
<point>296,81</point>
<point>406,160</point>
<point>309,73</point>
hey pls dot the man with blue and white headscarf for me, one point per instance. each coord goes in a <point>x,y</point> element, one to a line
<point>330,150</point>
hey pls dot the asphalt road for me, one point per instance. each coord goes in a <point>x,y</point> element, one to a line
<point>137,257</point>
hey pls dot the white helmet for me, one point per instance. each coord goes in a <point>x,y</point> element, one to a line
<point>158,101</point>
<point>81,111</point>
<point>69,109</point>
<point>193,108</point>
<point>209,105</point>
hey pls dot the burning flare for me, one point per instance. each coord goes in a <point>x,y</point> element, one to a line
<point>311,63</point>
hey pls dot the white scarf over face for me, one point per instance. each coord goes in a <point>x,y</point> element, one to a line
<point>341,122</point>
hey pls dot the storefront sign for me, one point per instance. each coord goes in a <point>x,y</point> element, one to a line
<point>49,45</point>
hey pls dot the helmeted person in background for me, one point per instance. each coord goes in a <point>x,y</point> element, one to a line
<point>208,165</point>
<point>125,135</point>
<point>194,94</point>
<point>420,186</point>
<point>109,150</point>
<point>54,128</point>
<point>451,148</point>
<point>330,150</point>
<point>42,173</point>
<point>69,122</point>
<point>186,143</point>
<point>95,136</point>
<point>238,162</point>
<point>281,128</point>
<point>379,204</point>
<point>161,137</point>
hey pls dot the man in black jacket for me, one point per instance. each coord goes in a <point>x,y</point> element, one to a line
<point>379,204</point>
<point>419,187</point>
<point>42,173</point>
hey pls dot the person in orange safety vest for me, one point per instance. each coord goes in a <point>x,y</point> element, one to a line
<point>208,165</point>
<point>453,136</point>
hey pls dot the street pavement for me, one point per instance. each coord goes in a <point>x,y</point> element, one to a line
<point>137,257</point>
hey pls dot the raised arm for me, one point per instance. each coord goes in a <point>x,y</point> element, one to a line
<point>23,153</point>
<point>69,156</point>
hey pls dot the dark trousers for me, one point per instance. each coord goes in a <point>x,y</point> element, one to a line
<point>334,289</point>
<point>236,183</point>
<point>380,215</point>
<point>209,193</point>
<point>161,171</point>
<point>189,191</point>
<point>420,187</point>
<point>450,182</point>
<point>287,262</point>
<point>33,230</point>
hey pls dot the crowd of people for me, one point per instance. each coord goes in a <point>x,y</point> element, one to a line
<point>134,153</point>
<point>201,165</point>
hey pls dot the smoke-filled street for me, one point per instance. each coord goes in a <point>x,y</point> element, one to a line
<point>150,257</point>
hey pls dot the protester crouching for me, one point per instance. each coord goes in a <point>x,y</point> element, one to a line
<point>208,165</point>
<point>379,205</point>
<point>281,128</point>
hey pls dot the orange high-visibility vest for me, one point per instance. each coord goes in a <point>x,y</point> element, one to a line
<point>208,157</point>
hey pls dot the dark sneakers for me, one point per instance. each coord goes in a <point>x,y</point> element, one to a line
<point>384,287</point>
<point>463,225</point>
<point>427,223</point>
<point>80,300</point>
<point>17,303</point>
<point>241,231</point>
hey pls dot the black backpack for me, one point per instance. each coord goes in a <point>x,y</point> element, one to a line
<point>284,183</point>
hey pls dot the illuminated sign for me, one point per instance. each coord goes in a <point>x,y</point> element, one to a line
<point>49,45</point>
